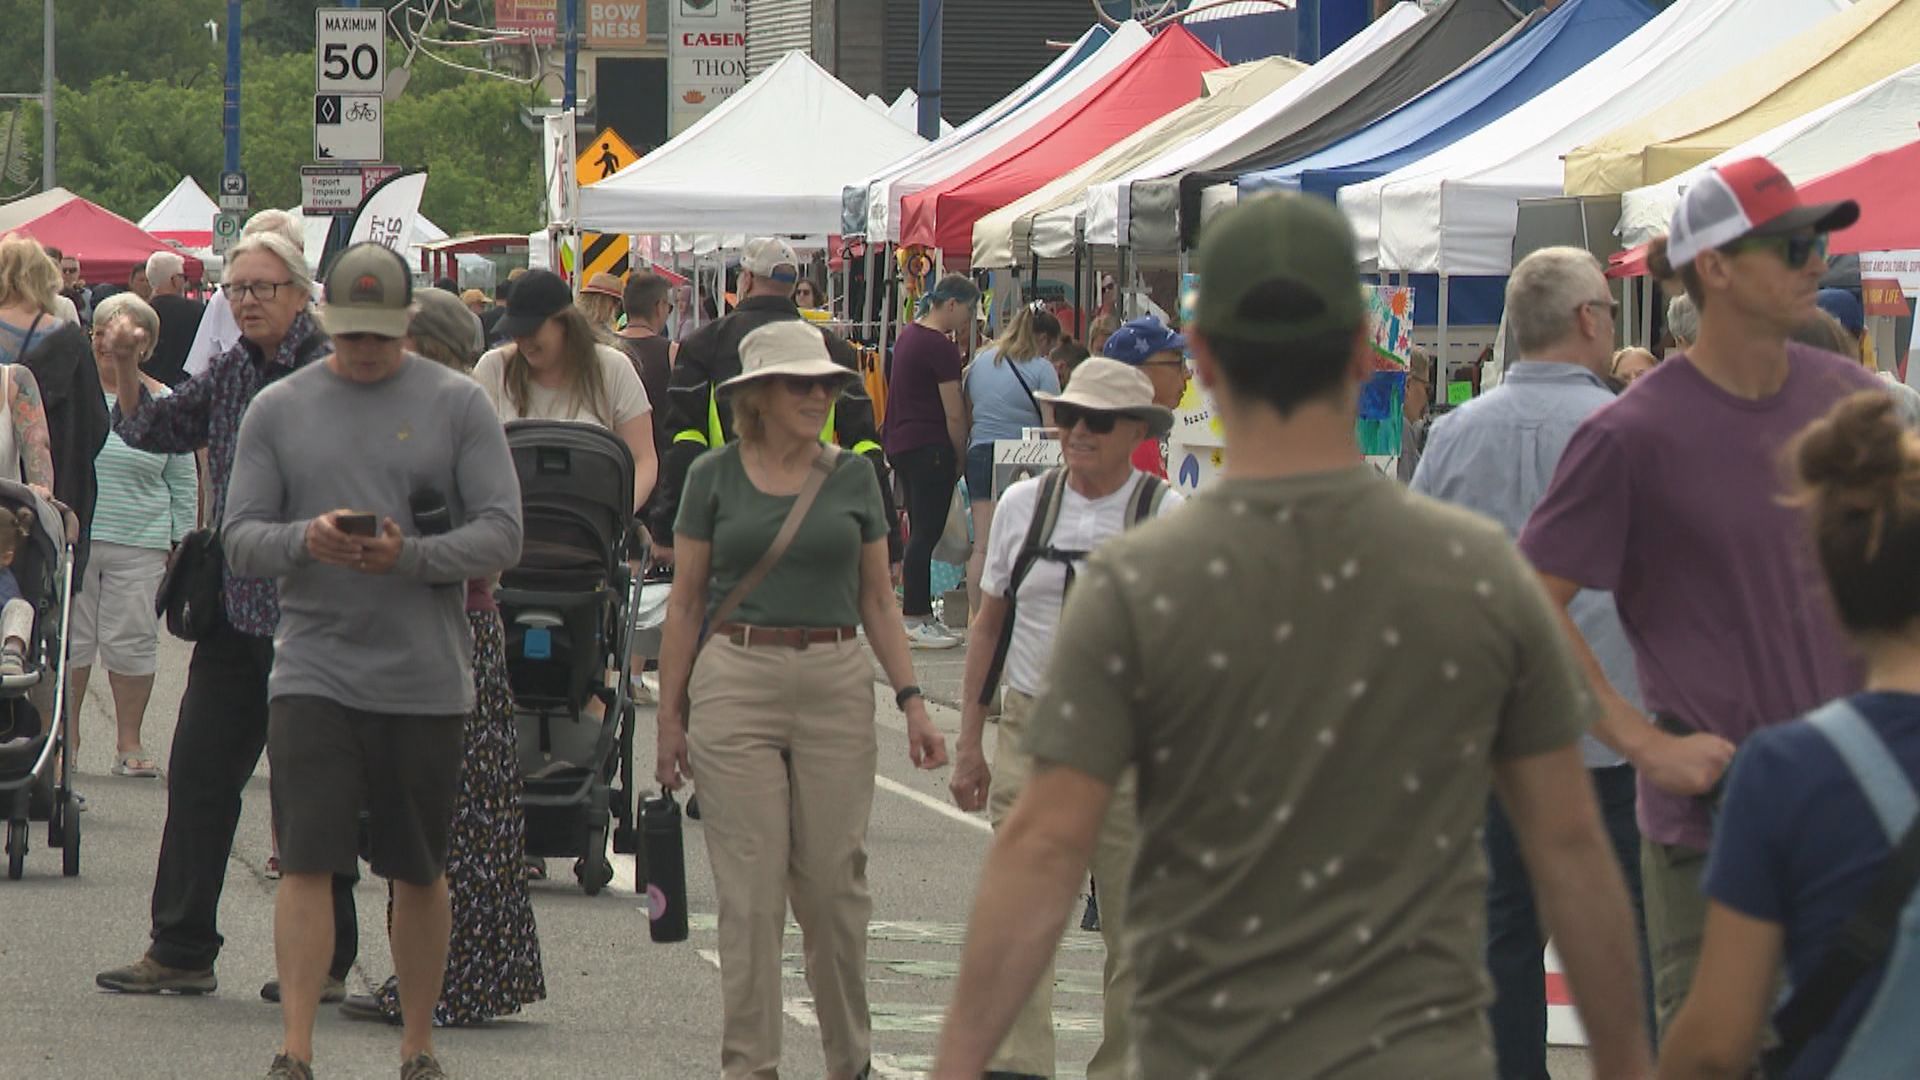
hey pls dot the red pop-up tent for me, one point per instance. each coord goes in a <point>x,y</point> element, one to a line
<point>1155,81</point>
<point>1882,184</point>
<point>107,245</point>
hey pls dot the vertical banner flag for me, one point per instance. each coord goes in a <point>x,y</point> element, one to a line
<point>706,57</point>
<point>387,214</point>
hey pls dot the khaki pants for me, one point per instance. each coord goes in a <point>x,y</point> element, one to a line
<point>1029,1045</point>
<point>783,751</point>
<point>1676,921</point>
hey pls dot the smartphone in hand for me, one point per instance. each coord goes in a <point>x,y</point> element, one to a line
<point>357,524</point>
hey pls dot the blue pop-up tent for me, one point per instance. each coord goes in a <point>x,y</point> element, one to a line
<point>1563,43</point>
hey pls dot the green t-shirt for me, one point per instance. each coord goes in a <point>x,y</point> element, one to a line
<point>817,582</point>
<point>1314,677</point>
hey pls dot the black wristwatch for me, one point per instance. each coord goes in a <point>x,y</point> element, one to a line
<point>906,694</point>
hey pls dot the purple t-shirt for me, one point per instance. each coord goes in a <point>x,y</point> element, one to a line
<point>916,417</point>
<point>1670,498</point>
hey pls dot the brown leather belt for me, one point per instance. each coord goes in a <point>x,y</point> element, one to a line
<point>785,637</point>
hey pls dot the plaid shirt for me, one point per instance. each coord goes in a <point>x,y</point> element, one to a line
<point>204,413</point>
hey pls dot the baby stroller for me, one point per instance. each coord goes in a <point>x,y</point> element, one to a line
<point>568,609</point>
<point>34,726</point>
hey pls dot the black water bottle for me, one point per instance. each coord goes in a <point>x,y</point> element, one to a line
<point>666,868</point>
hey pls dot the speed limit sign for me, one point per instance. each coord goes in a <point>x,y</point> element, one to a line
<point>350,51</point>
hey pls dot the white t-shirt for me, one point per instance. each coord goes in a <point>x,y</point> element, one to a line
<point>218,332</point>
<point>1083,525</point>
<point>625,392</point>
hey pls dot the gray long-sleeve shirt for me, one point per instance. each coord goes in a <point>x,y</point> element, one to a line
<point>314,443</point>
<point>1497,454</point>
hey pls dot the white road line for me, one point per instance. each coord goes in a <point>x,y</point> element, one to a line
<point>944,809</point>
<point>800,1013</point>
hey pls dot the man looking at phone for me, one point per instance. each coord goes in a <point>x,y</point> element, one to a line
<point>372,485</point>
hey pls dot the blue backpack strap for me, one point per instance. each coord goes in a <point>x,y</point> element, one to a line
<point>1872,764</point>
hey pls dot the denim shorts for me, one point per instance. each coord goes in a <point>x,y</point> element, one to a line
<point>980,473</point>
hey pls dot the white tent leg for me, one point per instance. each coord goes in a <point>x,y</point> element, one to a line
<point>1445,365</point>
<point>1650,293</point>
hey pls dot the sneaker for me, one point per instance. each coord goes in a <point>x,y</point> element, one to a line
<point>286,1068</point>
<point>332,992</point>
<point>272,872</point>
<point>147,976</point>
<point>930,635</point>
<point>367,1007</point>
<point>940,622</point>
<point>422,1066</point>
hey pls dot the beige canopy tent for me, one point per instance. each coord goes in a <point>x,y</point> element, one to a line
<point>1008,235</point>
<point>1840,55</point>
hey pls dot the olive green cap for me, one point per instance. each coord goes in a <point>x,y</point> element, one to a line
<point>1278,268</point>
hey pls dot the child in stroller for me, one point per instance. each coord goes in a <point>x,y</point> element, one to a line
<point>16,616</point>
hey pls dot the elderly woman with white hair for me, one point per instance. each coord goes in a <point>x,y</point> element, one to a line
<point>218,331</point>
<point>223,714</point>
<point>146,504</point>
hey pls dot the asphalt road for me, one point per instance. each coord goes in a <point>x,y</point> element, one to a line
<point>618,1005</point>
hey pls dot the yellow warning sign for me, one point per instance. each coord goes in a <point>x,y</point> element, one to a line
<point>603,253</point>
<point>607,154</point>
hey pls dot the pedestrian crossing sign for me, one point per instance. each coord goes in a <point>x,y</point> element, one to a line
<point>607,154</point>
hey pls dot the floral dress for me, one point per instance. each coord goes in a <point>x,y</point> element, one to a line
<point>493,957</point>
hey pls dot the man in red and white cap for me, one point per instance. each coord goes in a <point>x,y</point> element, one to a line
<point>1672,499</point>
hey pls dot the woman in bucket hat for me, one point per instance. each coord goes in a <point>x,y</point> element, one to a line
<point>784,747</point>
<point>1105,413</point>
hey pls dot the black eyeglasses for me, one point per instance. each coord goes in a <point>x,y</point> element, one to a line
<point>1795,251</point>
<point>261,290</point>
<point>1066,416</point>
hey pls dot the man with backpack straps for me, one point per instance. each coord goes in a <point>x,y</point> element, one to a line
<point>1044,528</point>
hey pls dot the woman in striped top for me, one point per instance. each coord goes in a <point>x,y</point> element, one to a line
<point>147,502</point>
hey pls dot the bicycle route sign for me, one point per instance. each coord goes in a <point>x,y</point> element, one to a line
<point>348,128</point>
<point>349,76</point>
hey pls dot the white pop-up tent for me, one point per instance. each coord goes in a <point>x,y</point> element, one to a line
<point>185,216</point>
<point>772,159</point>
<point>1109,204</point>
<point>970,144</point>
<point>1879,118</point>
<point>1454,211</point>
<point>905,111</point>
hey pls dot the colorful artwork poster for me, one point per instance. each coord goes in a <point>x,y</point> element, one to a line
<point>1390,319</point>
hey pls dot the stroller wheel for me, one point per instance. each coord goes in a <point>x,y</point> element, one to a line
<point>16,849</point>
<point>594,871</point>
<point>70,851</point>
<point>57,824</point>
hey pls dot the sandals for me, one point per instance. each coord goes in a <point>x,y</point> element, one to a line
<point>136,762</point>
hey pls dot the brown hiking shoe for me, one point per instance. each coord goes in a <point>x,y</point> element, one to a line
<point>422,1066</point>
<point>148,976</point>
<point>286,1068</point>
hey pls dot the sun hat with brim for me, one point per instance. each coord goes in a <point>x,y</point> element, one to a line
<point>1741,199</point>
<point>369,291</point>
<point>790,348</point>
<point>1103,384</point>
<point>438,314</point>
<point>539,295</point>
<point>605,285</point>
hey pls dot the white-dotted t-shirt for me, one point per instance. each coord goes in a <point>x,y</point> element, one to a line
<point>1084,524</point>
<point>624,391</point>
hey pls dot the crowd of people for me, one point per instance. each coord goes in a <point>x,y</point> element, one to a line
<point>1666,689</point>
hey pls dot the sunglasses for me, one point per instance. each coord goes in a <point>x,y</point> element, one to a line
<point>800,386</point>
<point>1794,251</point>
<point>1100,423</point>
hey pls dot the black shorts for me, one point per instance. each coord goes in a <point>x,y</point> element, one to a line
<point>330,761</point>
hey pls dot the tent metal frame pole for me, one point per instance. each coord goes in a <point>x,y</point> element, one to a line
<point>887,299</point>
<point>1650,291</point>
<point>1080,291</point>
<point>846,285</point>
<point>1446,367</point>
<point>867,321</point>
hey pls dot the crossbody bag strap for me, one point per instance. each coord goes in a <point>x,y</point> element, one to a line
<point>1867,936</point>
<point>823,466</point>
<point>1014,366</point>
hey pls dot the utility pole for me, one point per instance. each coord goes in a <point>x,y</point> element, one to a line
<point>932,17</point>
<point>47,85</point>
<point>570,81</point>
<point>230,104</point>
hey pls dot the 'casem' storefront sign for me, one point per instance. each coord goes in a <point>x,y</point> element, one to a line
<point>707,61</point>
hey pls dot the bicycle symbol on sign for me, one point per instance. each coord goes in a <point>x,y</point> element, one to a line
<point>361,111</point>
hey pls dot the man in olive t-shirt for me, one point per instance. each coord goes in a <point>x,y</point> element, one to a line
<point>1318,676</point>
